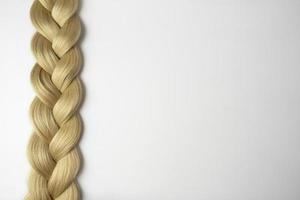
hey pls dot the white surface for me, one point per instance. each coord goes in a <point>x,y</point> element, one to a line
<point>184,99</point>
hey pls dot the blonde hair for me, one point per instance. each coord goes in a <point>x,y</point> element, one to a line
<point>52,149</point>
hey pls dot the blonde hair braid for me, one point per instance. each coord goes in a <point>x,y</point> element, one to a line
<point>52,149</point>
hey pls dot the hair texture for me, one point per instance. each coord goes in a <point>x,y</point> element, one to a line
<point>52,149</point>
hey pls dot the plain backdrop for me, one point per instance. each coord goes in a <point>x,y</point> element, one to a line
<point>185,99</point>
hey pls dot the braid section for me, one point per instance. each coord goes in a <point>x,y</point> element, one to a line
<point>52,149</point>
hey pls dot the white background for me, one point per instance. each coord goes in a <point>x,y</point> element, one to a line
<point>185,99</point>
